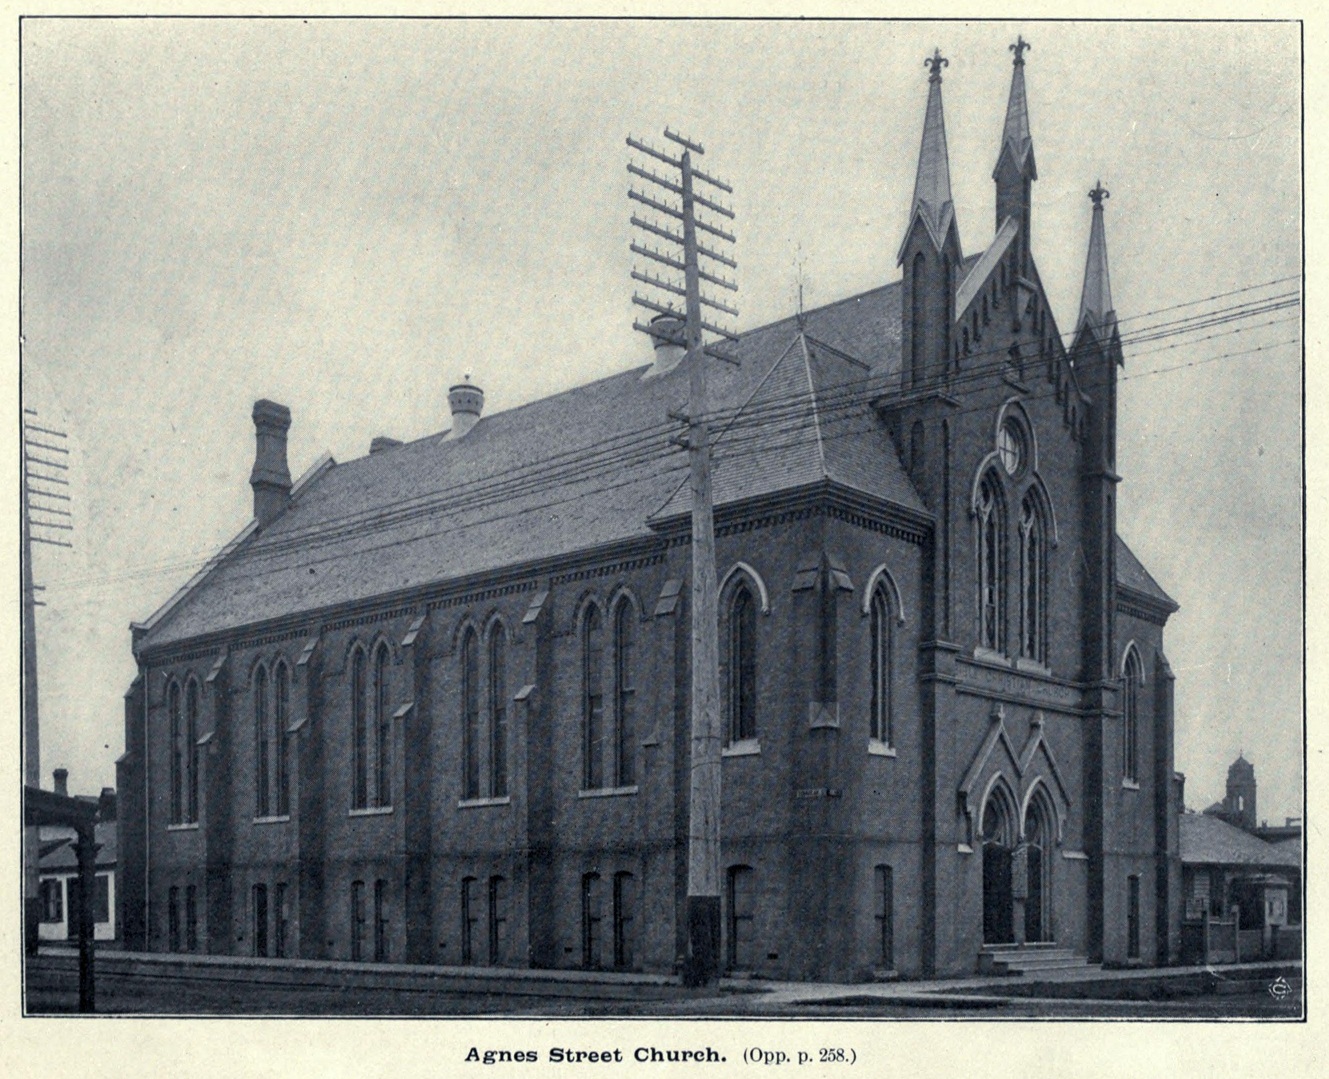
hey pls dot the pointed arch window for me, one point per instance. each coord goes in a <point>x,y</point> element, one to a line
<point>916,299</point>
<point>1132,676</point>
<point>262,745</point>
<point>591,914</point>
<point>625,771</point>
<point>991,545</point>
<point>177,754</point>
<point>382,729</point>
<point>281,702</point>
<point>739,686</point>
<point>470,714</point>
<point>1033,581</point>
<point>882,718</point>
<point>498,712</point>
<point>592,640</point>
<point>359,733</point>
<point>948,303</point>
<point>625,921</point>
<point>191,751</point>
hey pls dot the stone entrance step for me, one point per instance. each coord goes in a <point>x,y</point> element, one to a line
<point>1017,959</point>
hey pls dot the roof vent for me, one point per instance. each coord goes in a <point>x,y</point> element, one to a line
<point>61,777</point>
<point>383,442</point>
<point>466,402</point>
<point>669,343</point>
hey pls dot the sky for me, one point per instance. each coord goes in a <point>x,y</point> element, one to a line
<point>348,216</point>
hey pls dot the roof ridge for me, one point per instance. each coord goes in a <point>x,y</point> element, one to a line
<point>812,396</point>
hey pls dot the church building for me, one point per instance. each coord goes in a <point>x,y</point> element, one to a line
<point>431,705</point>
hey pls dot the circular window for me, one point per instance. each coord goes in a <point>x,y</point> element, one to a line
<point>1011,447</point>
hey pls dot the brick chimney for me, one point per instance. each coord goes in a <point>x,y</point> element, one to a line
<point>466,402</point>
<point>106,805</point>
<point>62,782</point>
<point>271,479</point>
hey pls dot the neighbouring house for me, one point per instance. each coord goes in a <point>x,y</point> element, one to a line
<point>58,875</point>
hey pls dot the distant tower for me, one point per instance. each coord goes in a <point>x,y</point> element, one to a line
<point>1239,804</point>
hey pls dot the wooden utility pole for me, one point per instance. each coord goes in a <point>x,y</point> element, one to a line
<point>702,964</point>
<point>42,513</point>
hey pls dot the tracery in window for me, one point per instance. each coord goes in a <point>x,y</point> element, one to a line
<point>592,639</point>
<point>990,514</point>
<point>625,704</point>
<point>498,712</point>
<point>1033,581</point>
<point>739,688</point>
<point>1130,747</point>
<point>262,745</point>
<point>882,719</point>
<point>470,713</point>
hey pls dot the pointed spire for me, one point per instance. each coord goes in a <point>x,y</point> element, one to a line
<point>1015,135</point>
<point>932,184</point>
<point>1096,298</point>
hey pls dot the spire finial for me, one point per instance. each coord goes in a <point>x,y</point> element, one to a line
<point>1098,194</point>
<point>1019,49</point>
<point>934,64</point>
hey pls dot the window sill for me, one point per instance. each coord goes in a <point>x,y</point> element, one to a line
<point>1075,855</point>
<point>1130,785</point>
<point>607,792</point>
<point>190,826</point>
<point>1032,666</point>
<point>963,848</point>
<point>480,803</point>
<point>877,748</point>
<point>748,747</point>
<point>987,655</point>
<point>370,811</point>
<point>284,818</point>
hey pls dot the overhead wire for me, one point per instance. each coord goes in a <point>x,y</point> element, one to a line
<point>583,464</point>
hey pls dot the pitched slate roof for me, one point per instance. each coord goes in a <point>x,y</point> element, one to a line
<point>1132,574</point>
<point>572,472</point>
<point>1207,840</point>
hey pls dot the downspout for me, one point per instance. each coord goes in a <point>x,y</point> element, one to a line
<point>147,822</point>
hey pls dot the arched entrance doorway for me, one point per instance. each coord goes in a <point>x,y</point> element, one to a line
<point>998,836</point>
<point>1039,836</point>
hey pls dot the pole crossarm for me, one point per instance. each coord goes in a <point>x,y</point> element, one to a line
<point>657,230</point>
<point>659,308</point>
<point>723,260</point>
<point>44,430</point>
<point>720,306</point>
<point>727,236</point>
<point>646,200</point>
<point>651,253</point>
<point>687,144</point>
<point>659,334</point>
<point>646,174</point>
<point>659,282</point>
<point>44,446</point>
<point>651,151</point>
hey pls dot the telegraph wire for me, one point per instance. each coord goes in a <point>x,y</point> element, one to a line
<point>580,459</point>
<point>252,571</point>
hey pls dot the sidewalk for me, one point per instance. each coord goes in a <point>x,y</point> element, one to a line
<point>977,990</point>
